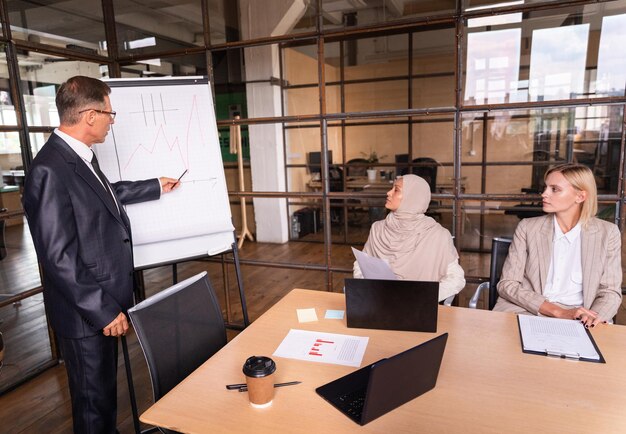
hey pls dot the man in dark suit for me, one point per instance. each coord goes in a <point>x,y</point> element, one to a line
<point>83,241</point>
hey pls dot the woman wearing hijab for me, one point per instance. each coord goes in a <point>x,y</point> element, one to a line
<point>566,264</point>
<point>415,246</point>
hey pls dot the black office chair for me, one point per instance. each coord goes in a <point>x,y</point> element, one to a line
<point>356,167</point>
<point>427,169</point>
<point>178,330</point>
<point>402,164</point>
<point>1,351</point>
<point>499,252</point>
<point>3,244</point>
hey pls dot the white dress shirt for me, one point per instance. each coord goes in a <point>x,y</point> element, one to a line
<point>565,278</point>
<point>86,154</point>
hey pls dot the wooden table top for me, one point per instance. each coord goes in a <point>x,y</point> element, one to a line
<point>486,384</point>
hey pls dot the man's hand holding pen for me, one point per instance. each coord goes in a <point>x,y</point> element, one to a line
<point>169,184</point>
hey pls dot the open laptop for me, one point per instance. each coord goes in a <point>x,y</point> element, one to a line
<point>392,304</point>
<point>376,389</point>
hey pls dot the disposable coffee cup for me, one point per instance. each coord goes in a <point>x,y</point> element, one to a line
<point>259,372</point>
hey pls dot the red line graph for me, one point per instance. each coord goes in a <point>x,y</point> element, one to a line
<point>172,145</point>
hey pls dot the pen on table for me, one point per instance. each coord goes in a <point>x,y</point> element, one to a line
<point>181,176</point>
<point>243,387</point>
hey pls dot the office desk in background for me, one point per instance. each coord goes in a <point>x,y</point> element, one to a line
<point>357,183</point>
<point>486,384</point>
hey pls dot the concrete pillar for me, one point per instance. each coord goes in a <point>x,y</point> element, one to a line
<point>262,18</point>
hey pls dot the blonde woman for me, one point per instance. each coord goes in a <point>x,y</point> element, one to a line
<point>415,246</point>
<point>566,264</point>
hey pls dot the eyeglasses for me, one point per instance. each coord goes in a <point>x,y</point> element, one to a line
<point>112,114</point>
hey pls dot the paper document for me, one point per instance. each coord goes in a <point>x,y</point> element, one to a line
<point>323,347</point>
<point>373,268</point>
<point>306,315</point>
<point>556,337</point>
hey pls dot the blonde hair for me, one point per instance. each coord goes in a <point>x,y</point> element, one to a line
<point>581,178</point>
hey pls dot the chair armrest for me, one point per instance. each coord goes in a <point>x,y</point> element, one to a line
<point>474,300</point>
<point>448,301</point>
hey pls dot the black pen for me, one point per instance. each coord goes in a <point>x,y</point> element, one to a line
<point>181,176</point>
<point>242,387</point>
<point>291,383</point>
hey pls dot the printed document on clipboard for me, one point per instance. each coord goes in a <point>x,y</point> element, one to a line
<point>373,268</point>
<point>564,338</point>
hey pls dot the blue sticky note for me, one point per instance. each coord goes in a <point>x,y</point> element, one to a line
<point>334,314</point>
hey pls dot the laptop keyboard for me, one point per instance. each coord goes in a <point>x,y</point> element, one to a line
<point>352,403</point>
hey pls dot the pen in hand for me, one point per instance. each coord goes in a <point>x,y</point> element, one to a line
<point>181,176</point>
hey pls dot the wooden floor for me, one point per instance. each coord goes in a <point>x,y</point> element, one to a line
<point>42,404</point>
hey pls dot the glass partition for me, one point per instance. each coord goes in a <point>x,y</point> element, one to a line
<point>341,14</point>
<point>145,27</point>
<point>547,56</point>
<point>43,74</point>
<point>77,26</point>
<point>253,19</point>
<point>508,152</point>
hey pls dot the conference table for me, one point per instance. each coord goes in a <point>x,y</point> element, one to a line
<point>485,385</point>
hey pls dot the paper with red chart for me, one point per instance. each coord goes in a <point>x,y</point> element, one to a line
<point>322,347</point>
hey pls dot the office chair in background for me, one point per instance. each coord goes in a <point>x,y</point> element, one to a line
<point>1,351</point>
<point>427,169</point>
<point>499,252</point>
<point>178,330</point>
<point>356,167</point>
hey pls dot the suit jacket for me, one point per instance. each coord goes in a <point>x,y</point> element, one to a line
<point>82,241</point>
<point>525,271</point>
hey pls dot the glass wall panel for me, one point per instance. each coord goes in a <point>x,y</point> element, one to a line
<point>70,24</point>
<point>509,152</point>
<point>145,26</point>
<point>546,56</point>
<point>174,66</point>
<point>479,5</point>
<point>303,156</point>
<point>42,75</point>
<point>7,109</point>
<point>252,19</point>
<point>433,68</point>
<point>433,152</point>
<point>300,65</point>
<point>345,14</point>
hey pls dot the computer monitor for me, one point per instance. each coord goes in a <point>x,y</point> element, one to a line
<point>314,162</point>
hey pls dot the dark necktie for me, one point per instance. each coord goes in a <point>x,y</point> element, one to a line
<point>96,168</point>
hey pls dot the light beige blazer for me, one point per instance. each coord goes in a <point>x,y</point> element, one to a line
<point>526,268</point>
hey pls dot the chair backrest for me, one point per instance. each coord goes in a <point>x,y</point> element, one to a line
<point>403,169</point>
<point>3,245</point>
<point>427,169</point>
<point>178,330</point>
<point>1,351</point>
<point>499,252</point>
<point>360,170</point>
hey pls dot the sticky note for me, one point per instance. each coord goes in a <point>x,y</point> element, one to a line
<point>334,314</point>
<point>306,315</point>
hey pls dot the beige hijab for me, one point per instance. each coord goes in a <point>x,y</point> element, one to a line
<point>416,246</point>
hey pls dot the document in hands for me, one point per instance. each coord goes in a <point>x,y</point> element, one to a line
<point>557,337</point>
<point>373,268</point>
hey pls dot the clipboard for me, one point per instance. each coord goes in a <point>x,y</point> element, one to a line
<point>558,353</point>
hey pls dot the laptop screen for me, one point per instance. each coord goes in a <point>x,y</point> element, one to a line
<point>392,304</point>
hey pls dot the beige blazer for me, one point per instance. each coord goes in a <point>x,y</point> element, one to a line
<point>526,268</point>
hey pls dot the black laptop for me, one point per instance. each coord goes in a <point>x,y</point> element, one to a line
<point>392,304</point>
<point>376,389</point>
